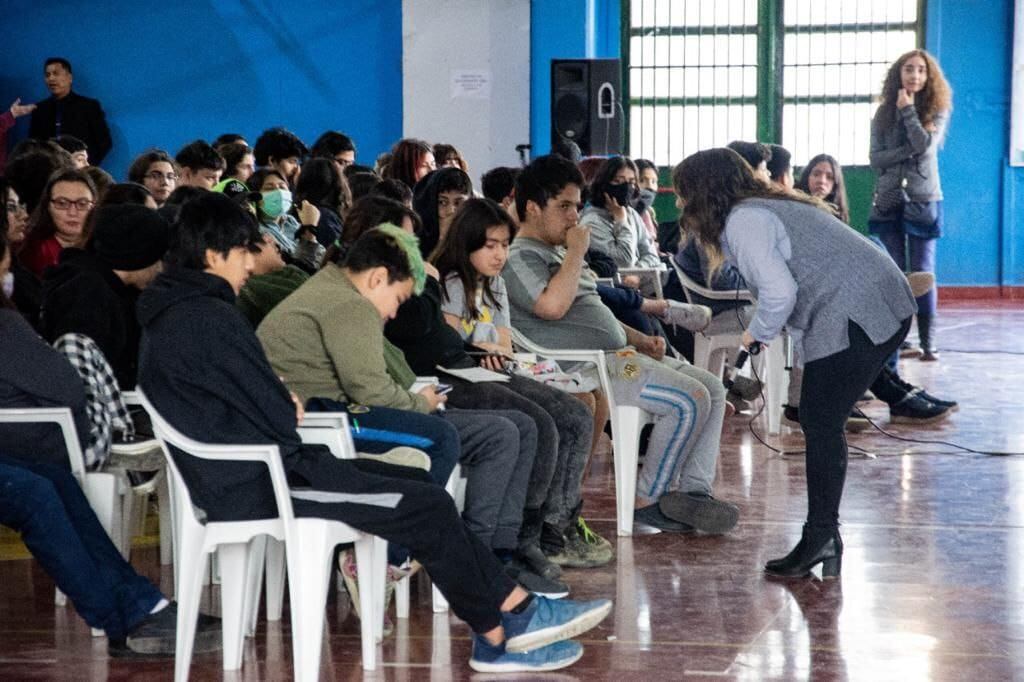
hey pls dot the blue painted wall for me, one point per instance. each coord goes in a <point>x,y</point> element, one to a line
<point>984,197</point>
<point>168,73</point>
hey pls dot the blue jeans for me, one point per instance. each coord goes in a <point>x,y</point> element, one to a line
<point>46,505</point>
<point>913,254</point>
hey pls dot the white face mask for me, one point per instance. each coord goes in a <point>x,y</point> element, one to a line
<point>8,284</point>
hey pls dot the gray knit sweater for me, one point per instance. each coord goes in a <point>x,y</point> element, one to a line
<point>813,274</point>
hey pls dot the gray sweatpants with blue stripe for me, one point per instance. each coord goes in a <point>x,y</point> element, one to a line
<point>689,406</point>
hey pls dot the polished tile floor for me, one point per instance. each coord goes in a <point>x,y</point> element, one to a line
<point>932,585</point>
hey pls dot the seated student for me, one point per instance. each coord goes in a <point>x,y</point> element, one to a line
<point>156,170</point>
<point>59,221</point>
<point>323,185</point>
<point>361,184</point>
<point>447,156</point>
<point>282,151</point>
<point>393,189</point>
<point>239,162</point>
<point>325,342</point>
<point>78,150</point>
<point>272,280</point>
<point>229,138</point>
<point>128,193</point>
<point>436,198</point>
<point>337,147</point>
<point>469,261</point>
<point>204,370</point>
<point>273,211</point>
<point>616,227</point>
<point>499,184</point>
<point>199,165</point>
<point>554,302</point>
<point>20,284</point>
<point>93,291</point>
<point>779,166</point>
<point>756,154</point>
<point>822,177</point>
<point>647,192</point>
<point>46,506</point>
<point>409,161</point>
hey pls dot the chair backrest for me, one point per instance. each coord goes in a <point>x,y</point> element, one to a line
<point>691,287</point>
<point>61,416</point>
<point>267,454</point>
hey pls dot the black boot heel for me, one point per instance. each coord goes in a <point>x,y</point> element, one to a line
<point>811,551</point>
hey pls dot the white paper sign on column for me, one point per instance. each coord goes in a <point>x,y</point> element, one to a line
<point>470,83</point>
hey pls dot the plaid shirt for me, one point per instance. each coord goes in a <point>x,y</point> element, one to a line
<point>103,402</point>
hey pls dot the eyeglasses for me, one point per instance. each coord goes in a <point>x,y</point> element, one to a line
<point>62,204</point>
<point>13,206</point>
<point>157,176</point>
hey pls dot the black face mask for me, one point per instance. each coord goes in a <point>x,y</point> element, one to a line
<point>623,193</point>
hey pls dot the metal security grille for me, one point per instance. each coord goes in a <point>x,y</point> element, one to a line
<point>692,68</point>
<point>801,72</point>
<point>835,57</point>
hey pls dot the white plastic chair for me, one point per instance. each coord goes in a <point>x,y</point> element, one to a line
<point>102,489</point>
<point>725,334</point>
<point>309,546</point>
<point>651,276</point>
<point>627,421</point>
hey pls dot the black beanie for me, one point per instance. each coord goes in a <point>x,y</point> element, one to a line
<point>129,236</point>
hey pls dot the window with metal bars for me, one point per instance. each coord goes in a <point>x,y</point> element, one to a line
<point>803,73</point>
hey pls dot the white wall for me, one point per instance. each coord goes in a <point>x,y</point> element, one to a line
<point>442,39</point>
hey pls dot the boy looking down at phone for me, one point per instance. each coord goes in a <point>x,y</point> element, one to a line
<point>327,344</point>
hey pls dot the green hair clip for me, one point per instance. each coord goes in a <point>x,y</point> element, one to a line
<point>411,246</point>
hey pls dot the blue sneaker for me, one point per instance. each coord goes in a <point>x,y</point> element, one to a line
<point>487,658</point>
<point>545,621</point>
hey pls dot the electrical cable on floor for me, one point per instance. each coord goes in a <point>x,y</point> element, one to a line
<point>866,453</point>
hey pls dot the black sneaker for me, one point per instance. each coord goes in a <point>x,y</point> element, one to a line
<point>157,634</point>
<point>534,559</point>
<point>951,404</point>
<point>746,388</point>
<point>914,409</point>
<point>700,510</point>
<point>652,517</point>
<point>530,581</point>
<point>791,415</point>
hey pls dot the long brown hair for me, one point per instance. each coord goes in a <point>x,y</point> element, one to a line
<point>837,197</point>
<point>466,234</point>
<point>711,183</point>
<point>935,97</point>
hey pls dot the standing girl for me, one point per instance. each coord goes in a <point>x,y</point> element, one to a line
<point>906,134</point>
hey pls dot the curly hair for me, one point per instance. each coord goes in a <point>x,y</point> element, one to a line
<point>711,183</point>
<point>935,97</point>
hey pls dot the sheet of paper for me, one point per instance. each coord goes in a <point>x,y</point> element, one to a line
<point>470,83</point>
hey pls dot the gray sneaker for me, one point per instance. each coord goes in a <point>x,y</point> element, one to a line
<point>701,511</point>
<point>689,316</point>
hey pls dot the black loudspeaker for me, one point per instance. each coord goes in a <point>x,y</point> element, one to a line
<point>586,105</point>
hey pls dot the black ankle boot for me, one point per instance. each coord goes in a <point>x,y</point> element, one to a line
<point>925,324</point>
<point>817,545</point>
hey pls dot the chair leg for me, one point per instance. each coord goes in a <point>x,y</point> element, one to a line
<point>439,603</point>
<point>701,350</point>
<point>774,374</point>
<point>378,576</point>
<point>309,555</point>
<point>189,590</point>
<point>625,446</point>
<point>370,583</point>
<point>275,579</point>
<point>233,560</point>
<point>402,596</point>
<point>163,501</point>
<point>254,582</point>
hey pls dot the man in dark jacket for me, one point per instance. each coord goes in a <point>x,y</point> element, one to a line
<point>202,367</point>
<point>94,291</point>
<point>68,113</point>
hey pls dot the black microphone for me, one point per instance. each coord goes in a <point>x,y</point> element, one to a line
<point>741,359</point>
